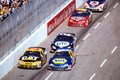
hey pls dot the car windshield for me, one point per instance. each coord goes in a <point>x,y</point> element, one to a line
<point>64,38</point>
<point>81,14</point>
<point>63,54</point>
<point>32,53</point>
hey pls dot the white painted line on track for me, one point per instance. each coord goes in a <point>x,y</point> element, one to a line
<point>49,76</point>
<point>114,49</point>
<point>103,63</point>
<point>97,25</point>
<point>91,78</point>
<point>116,5</point>
<point>76,47</point>
<point>86,36</point>
<point>107,15</point>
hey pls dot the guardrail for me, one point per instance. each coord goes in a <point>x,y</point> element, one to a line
<point>31,39</point>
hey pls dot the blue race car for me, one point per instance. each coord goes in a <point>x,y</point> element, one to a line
<point>62,60</point>
<point>64,40</point>
<point>96,5</point>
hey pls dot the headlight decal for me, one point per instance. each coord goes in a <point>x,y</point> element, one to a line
<point>20,62</point>
<point>37,63</point>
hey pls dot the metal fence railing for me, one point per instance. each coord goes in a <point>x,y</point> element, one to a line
<point>24,20</point>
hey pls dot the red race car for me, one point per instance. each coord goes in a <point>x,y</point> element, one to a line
<point>80,17</point>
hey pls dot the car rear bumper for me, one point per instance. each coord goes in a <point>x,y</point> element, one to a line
<point>72,24</point>
<point>29,66</point>
<point>57,68</point>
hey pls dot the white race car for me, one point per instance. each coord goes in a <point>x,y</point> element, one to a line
<point>96,5</point>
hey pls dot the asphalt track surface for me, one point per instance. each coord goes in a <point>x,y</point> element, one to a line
<point>98,51</point>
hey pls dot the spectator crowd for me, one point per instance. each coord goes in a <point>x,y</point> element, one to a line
<point>7,7</point>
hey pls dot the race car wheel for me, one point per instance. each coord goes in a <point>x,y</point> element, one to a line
<point>75,59</point>
<point>90,19</point>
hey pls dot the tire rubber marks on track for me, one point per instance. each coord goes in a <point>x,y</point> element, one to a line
<point>47,78</point>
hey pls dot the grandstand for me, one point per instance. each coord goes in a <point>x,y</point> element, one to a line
<point>22,20</point>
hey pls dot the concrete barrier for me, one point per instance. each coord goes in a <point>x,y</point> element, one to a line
<point>10,61</point>
<point>35,38</point>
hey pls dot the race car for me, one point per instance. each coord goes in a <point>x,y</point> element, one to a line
<point>33,57</point>
<point>63,59</point>
<point>80,18</point>
<point>63,40</point>
<point>96,5</point>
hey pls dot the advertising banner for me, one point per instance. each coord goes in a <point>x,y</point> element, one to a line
<point>60,17</point>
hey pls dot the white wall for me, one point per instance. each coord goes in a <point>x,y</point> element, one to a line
<point>10,61</point>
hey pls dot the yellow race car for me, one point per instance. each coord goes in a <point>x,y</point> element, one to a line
<point>33,57</point>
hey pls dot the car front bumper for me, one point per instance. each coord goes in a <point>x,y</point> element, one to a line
<point>59,68</point>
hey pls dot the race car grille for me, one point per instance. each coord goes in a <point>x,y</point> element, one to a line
<point>58,68</point>
<point>28,65</point>
<point>29,60</point>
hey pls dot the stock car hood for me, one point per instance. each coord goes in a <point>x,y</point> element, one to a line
<point>60,60</point>
<point>78,18</point>
<point>62,43</point>
<point>29,58</point>
<point>95,3</point>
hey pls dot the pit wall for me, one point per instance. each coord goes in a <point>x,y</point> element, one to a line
<point>36,37</point>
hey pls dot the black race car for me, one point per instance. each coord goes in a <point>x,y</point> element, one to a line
<point>64,40</point>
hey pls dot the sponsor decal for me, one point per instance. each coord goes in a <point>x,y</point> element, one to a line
<point>29,58</point>
<point>59,61</point>
<point>60,17</point>
<point>62,43</point>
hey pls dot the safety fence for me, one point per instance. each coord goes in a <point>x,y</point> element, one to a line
<point>23,21</point>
